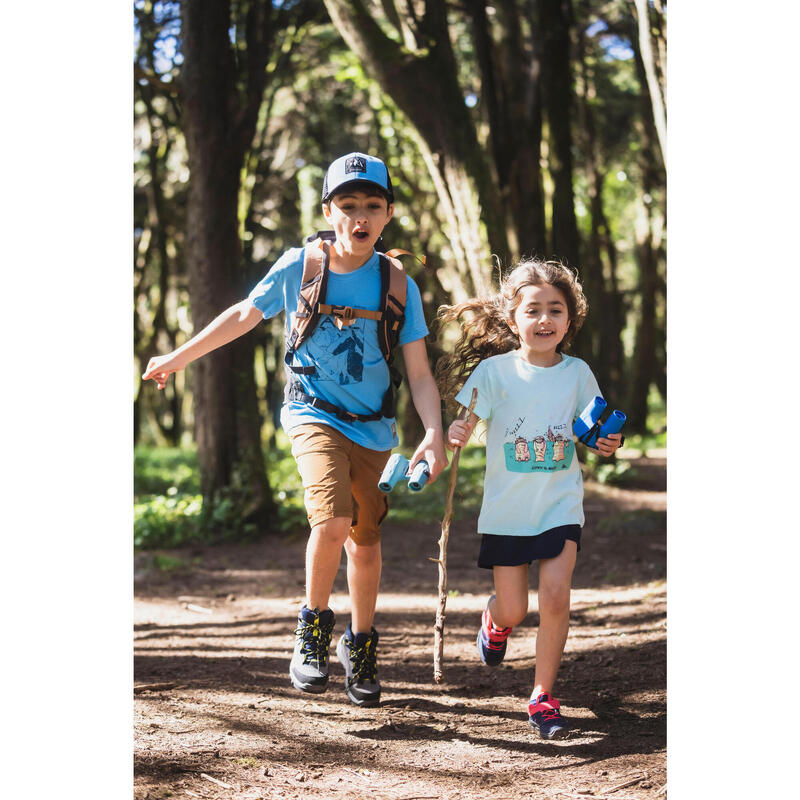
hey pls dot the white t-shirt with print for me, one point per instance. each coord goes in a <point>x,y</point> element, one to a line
<point>533,479</point>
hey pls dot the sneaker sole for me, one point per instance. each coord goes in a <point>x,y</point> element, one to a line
<point>311,688</point>
<point>362,703</point>
<point>559,733</point>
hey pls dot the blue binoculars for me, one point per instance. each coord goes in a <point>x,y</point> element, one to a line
<point>396,469</point>
<point>597,420</point>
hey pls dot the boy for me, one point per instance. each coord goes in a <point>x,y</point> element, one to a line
<point>336,412</point>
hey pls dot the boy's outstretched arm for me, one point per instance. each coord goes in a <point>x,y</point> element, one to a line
<point>425,395</point>
<point>229,325</point>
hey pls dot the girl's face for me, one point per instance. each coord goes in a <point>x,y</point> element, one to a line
<point>541,322</point>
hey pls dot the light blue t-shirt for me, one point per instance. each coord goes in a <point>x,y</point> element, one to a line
<point>351,371</point>
<point>533,480</point>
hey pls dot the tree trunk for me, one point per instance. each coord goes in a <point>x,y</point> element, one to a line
<point>424,85</point>
<point>555,18</point>
<point>643,367</point>
<point>654,72</point>
<point>646,368</point>
<point>218,128</point>
<point>510,90</point>
<point>606,319</point>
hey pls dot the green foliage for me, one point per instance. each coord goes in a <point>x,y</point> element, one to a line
<point>603,470</point>
<point>156,470</point>
<point>166,520</point>
<point>169,511</point>
<point>167,563</point>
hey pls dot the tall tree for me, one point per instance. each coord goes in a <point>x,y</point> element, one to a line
<point>554,22</point>
<point>509,68</point>
<point>420,73</point>
<point>647,367</point>
<point>222,80</point>
<point>651,27</point>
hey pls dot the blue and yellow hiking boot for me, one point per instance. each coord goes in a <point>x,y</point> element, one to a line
<point>309,668</point>
<point>545,718</point>
<point>492,640</point>
<point>359,656</point>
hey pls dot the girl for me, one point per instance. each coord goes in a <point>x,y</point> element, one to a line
<point>529,393</point>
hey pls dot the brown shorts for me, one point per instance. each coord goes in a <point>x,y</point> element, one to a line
<point>340,479</point>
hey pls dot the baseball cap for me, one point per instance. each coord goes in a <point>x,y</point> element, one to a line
<point>357,168</point>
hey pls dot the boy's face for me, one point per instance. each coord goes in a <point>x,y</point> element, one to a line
<point>357,218</point>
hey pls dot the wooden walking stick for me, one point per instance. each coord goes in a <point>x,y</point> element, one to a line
<point>438,628</point>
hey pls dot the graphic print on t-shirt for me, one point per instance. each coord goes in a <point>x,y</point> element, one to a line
<point>546,452</point>
<point>338,355</point>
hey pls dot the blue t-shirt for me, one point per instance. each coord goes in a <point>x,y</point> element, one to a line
<point>351,371</point>
<point>533,480</point>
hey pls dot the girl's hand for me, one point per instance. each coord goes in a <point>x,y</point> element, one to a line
<point>459,432</point>
<point>607,445</point>
<point>159,368</point>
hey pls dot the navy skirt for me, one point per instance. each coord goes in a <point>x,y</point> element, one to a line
<point>502,550</point>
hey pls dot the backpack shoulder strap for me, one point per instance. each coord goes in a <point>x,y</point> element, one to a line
<point>316,259</point>
<point>393,303</point>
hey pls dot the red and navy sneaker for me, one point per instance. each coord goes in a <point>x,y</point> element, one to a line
<point>545,718</point>
<point>491,640</point>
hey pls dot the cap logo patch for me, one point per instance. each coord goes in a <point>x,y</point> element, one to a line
<point>355,164</point>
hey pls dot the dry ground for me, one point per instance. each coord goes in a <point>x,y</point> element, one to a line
<point>216,717</point>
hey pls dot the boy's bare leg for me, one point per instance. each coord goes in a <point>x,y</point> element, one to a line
<point>555,581</point>
<point>363,577</point>
<point>323,556</point>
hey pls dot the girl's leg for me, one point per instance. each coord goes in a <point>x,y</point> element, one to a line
<point>505,609</point>
<point>510,604</point>
<point>555,582</point>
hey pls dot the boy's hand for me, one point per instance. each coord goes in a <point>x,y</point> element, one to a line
<point>430,449</point>
<point>159,368</point>
<point>607,445</point>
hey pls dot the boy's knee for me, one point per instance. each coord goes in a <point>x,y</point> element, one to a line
<point>363,554</point>
<point>334,530</point>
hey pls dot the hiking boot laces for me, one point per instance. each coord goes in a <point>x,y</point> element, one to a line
<point>315,641</point>
<point>365,662</point>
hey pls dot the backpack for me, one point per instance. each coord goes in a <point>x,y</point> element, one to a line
<point>311,305</point>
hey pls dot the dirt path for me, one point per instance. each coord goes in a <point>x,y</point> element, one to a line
<point>216,717</point>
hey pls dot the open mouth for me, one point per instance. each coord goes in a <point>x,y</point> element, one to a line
<point>360,235</point>
<point>544,333</point>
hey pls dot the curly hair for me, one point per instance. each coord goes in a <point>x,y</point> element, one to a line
<point>488,331</point>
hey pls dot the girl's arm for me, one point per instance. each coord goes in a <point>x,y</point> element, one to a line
<point>229,325</point>
<point>460,430</point>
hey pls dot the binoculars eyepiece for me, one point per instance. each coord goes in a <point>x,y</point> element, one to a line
<point>597,420</point>
<point>396,469</point>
